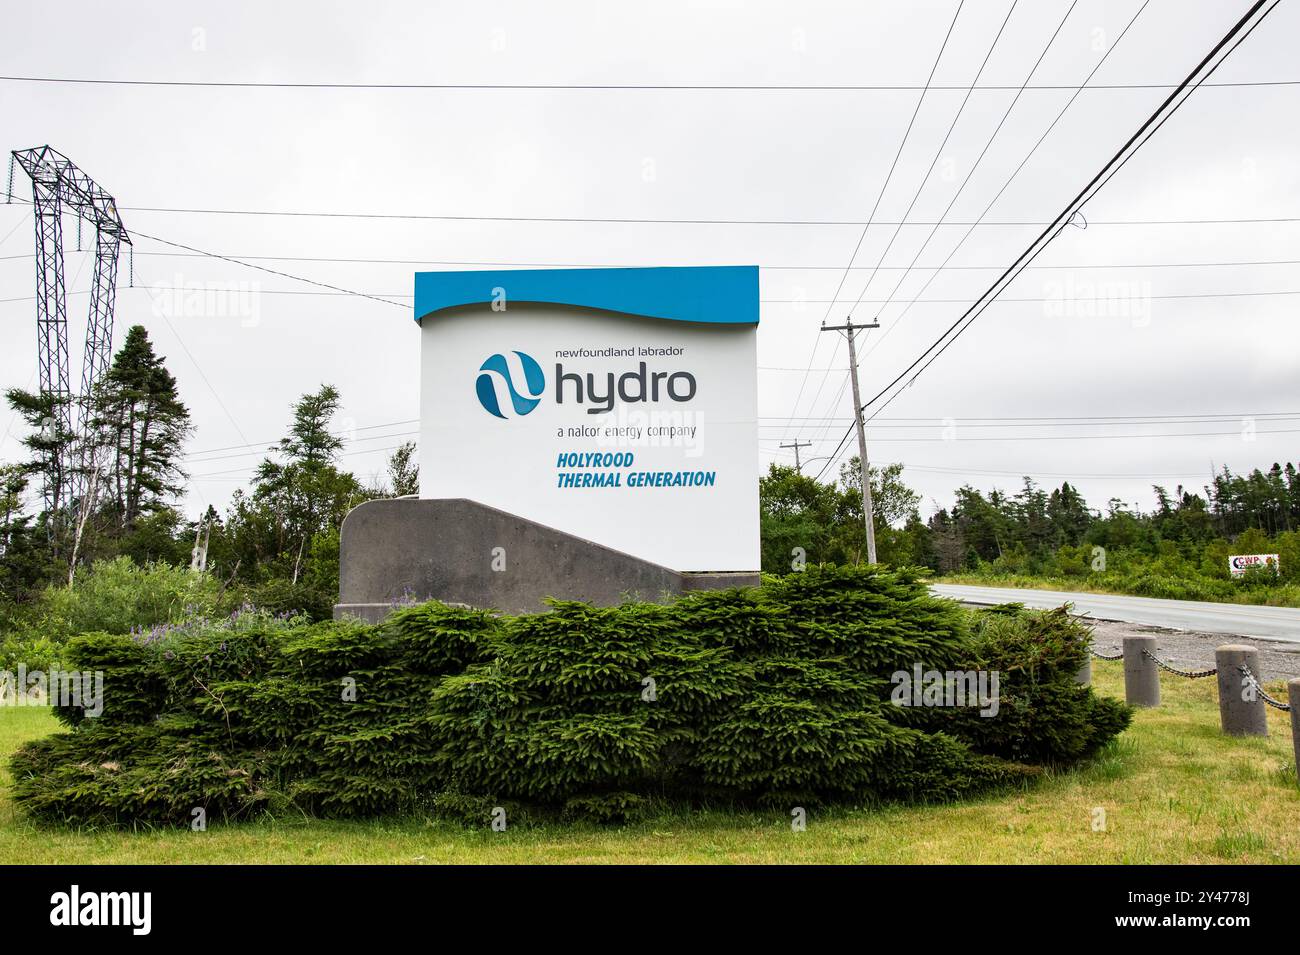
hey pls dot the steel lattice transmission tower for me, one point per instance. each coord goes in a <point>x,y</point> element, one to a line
<point>58,186</point>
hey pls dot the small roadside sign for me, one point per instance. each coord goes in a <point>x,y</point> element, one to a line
<point>1238,564</point>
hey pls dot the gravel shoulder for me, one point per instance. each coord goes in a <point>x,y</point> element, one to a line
<point>1189,650</point>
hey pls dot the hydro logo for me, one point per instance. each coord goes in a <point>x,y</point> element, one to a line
<point>497,369</point>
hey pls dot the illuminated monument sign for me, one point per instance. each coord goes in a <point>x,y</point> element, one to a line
<point>615,405</point>
<point>586,434</point>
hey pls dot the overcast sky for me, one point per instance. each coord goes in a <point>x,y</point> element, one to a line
<point>1050,350</point>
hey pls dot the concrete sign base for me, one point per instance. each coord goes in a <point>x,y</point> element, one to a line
<point>405,550</point>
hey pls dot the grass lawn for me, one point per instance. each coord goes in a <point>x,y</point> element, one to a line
<point>1173,789</point>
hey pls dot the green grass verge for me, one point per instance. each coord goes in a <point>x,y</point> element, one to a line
<point>1173,789</point>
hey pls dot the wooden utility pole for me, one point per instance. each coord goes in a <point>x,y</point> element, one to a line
<point>797,445</point>
<point>202,536</point>
<point>868,511</point>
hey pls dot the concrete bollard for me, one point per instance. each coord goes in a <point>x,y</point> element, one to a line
<point>1293,697</point>
<point>1084,676</point>
<point>1239,715</point>
<point>1141,675</point>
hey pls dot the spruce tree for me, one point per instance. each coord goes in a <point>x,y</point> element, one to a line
<point>143,424</point>
<point>52,447</point>
<point>24,553</point>
<point>403,471</point>
<point>310,441</point>
<point>294,500</point>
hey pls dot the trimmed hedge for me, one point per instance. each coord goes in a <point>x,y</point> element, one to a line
<point>778,695</point>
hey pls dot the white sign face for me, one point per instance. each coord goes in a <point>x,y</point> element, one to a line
<point>1240,563</point>
<point>637,433</point>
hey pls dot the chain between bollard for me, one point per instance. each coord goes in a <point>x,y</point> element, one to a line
<point>1102,656</point>
<point>1189,674</point>
<point>1263,694</point>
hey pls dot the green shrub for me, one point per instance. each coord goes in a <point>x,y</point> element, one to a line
<point>29,649</point>
<point>777,695</point>
<point>1044,715</point>
<point>125,774</point>
<point>286,597</point>
<point>134,689</point>
<point>117,595</point>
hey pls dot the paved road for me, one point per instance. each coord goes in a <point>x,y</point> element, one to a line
<point>1273,623</point>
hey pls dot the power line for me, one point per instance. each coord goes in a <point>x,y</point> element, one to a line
<point>260,268</point>
<point>1067,475</point>
<point>951,202</point>
<point>769,268</point>
<point>269,445</point>
<point>254,449</point>
<point>836,398</point>
<point>853,370</point>
<point>1011,178</point>
<point>938,153</point>
<point>1170,105</point>
<point>766,302</point>
<point>1067,431</point>
<point>263,447</point>
<point>263,268</point>
<point>1216,417</point>
<point>615,87</point>
<point>376,296</point>
<point>1029,472</point>
<point>983,152</point>
<point>11,232</point>
<point>647,220</point>
<point>272,449</point>
<point>202,374</point>
<point>1109,170</point>
<point>251,468</point>
<point>1083,298</point>
<point>1084,437</point>
<point>881,195</point>
<point>967,421</point>
<point>1058,474</point>
<point>331,289</point>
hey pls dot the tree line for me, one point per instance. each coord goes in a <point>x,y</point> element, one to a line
<point>1027,531</point>
<point>277,539</point>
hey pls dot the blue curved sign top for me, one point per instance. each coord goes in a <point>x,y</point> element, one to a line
<point>716,294</point>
